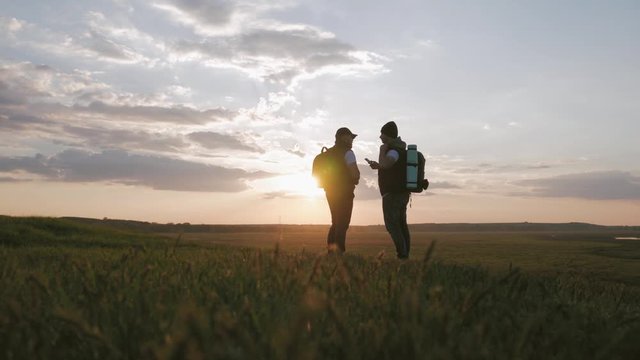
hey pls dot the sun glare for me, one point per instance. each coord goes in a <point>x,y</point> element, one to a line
<point>297,185</point>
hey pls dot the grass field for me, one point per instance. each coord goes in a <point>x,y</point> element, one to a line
<point>73,290</point>
<point>597,255</point>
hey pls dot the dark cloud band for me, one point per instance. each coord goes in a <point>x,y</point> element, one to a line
<point>603,185</point>
<point>120,167</point>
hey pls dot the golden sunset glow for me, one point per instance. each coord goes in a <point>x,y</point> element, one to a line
<point>294,185</point>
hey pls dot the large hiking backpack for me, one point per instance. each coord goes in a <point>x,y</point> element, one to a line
<point>323,167</point>
<point>415,179</point>
<point>330,169</point>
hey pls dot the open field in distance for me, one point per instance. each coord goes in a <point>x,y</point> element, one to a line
<point>549,249</point>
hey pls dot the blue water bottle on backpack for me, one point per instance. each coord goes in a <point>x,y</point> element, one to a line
<point>412,167</point>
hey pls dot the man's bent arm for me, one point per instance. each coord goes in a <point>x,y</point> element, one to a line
<point>355,173</point>
<point>385,161</point>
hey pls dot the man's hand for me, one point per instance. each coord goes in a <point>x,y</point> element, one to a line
<point>374,165</point>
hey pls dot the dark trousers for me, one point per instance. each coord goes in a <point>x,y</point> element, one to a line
<point>394,208</point>
<point>341,206</point>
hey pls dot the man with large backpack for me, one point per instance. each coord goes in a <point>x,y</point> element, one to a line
<point>392,167</point>
<point>337,172</point>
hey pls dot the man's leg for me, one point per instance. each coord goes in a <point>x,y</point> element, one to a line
<point>405,226</point>
<point>343,219</point>
<point>333,208</point>
<point>392,205</point>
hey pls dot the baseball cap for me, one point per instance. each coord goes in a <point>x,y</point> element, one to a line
<point>345,131</point>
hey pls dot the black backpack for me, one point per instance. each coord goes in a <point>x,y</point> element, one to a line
<point>328,169</point>
<point>421,174</point>
<point>422,182</point>
<point>321,167</point>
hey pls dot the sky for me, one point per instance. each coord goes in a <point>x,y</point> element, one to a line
<point>212,111</point>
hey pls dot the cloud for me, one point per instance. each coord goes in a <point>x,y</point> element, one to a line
<point>281,195</point>
<point>10,26</point>
<point>280,56</point>
<point>34,165</point>
<point>486,168</point>
<point>219,17</point>
<point>127,139</point>
<point>240,36</point>
<point>203,14</point>
<point>89,43</point>
<point>442,185</point>
<point>119,28</point>
<point>115,39</point>
<point>9,180</point>
<point>178,114</point>
<point>32,93</point>
<point>212,140</point>
<point>107,48</point>
<point>367,189</point>
<point>17,121</point>
<point>116,166</point>
<point>8,96</point>
<point>363,192</point>
<point>296,151</point>
<point>49,108</point>
<point>602,185</point>
<point>24,82</point>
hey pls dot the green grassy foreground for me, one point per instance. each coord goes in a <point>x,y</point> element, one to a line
<point>74,291</point>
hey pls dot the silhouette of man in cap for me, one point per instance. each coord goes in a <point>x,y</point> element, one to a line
<point>340,190</point>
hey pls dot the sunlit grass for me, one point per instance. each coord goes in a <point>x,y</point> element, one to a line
<point>152,298</point>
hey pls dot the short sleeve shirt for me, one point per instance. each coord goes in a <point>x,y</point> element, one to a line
<point>350,157</point>
<point>393,154</point>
